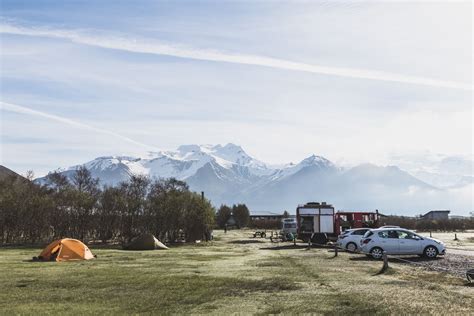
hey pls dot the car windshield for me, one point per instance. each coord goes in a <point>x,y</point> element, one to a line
<point>360,232</point>
<point>368,234</point>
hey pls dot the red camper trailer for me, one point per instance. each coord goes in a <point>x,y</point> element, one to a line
<point>320,223</point>
<point>347,220</point>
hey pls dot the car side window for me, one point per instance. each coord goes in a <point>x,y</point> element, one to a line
<point>383,234</point>
<point>402,234</point>
<point>405,235</point>
<point>393,234</point>
<point>359,232</point>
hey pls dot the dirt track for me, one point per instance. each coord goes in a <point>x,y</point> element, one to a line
<point>452,263</point>
<point>461,252</point>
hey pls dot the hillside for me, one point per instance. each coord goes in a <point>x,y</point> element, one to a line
<point>5,172</point>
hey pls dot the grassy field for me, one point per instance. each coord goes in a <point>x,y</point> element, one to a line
<point>233,274</point>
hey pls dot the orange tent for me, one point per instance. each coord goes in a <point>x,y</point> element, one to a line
<point>66,249</point>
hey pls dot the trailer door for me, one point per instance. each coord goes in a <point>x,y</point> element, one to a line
<point>327,221</point>
<point>316,224</point>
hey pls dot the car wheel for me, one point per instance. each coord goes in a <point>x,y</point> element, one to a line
<point>430,252</point>
<point>351,247</point>
<point>376,253</point>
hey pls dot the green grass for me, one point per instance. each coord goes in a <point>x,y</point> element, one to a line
<point>229,275</point>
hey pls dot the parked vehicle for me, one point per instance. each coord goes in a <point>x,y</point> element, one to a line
<point>288,225</point>
<point>350,239</point>
<point>399,241</point>
<point>320,223</point>
<point>348,220</point>
<point>315,222</point>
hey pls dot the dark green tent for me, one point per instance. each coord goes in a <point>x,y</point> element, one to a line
<point>145,242</point>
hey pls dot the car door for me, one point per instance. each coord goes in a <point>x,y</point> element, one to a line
<point>389,241</point>
<point>410,244</point>
<point>356,235</point>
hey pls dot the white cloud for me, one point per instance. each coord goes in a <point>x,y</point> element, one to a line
<point>151,47</point>
<point>27,111</point>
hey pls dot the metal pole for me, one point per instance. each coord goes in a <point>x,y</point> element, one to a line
<point>430,234</point>
<point>335,250</point>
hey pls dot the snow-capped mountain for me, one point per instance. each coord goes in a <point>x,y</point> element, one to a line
<point>229,161</point>
<point>227,174</point>
<point>312,161</point>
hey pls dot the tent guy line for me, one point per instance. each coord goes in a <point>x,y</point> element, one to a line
<point>148,46</point>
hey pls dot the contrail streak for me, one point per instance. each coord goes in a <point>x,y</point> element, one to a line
<point>24,110</point>
<point>149,47</point>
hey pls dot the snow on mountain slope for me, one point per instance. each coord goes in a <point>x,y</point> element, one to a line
<point>181,164</point>
<point>168,165</point>
<point>439,170</point>
<point>110,163</point>
<point>291,169</point>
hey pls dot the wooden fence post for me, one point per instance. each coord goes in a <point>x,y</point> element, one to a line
<point>470,275</point>
<point>385,262</point>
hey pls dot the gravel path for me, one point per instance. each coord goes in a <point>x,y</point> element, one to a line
<point>453,263</point>
<point>461,252</point>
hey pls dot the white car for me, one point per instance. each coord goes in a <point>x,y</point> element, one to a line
<point>399,241</point>
<point>350,239</point>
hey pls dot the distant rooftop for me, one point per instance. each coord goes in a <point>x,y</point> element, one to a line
<point>438,211</point>
<point>266,213</point>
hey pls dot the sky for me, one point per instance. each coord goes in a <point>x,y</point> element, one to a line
<point>353,81</point>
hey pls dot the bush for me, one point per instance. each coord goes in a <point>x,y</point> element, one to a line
<point>81,209</point>
<point>420,224</point>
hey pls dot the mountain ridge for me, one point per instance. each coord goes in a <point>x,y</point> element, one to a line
<point>227,174</point>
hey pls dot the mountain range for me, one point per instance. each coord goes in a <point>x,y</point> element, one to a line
<point>227,174</point>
